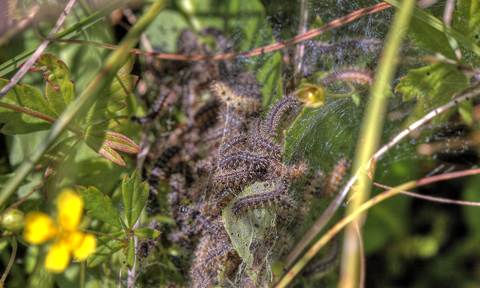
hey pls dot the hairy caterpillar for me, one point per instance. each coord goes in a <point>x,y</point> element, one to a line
<point>221,200</point>
<point>278,196</point>
<point>360,76</point>
<point>262,144</point>
<point>351,45</point>
<point>233,100</point>
<point>236,178</point>
<point>234,144</point>
<point>336,176</point>
<point>206,116</point>
<point>251,160</point>
<point>277,115</point>
<point>277,169</point>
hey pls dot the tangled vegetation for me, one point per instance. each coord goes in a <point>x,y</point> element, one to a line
<point>225,143</point>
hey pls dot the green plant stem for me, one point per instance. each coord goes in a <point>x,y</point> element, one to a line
<point>37,115</point>
<point>369,139</point>
<point>96,86</point>
<point>83,267</point>
<point>287,278</point>
<point>105,235</point>
<point>10,263</point>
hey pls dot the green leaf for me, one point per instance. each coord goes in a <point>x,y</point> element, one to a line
<point>146,233</point>
<point>135,196</point>
<point>19,101</point>
<point>466,19</point>
<point>105,247</point>
<point>436,83</point>
<point>131,253</point>
<point>104,144</point>
<point>470,213</point>
<point>60,90</point>
<point>250,227</point>
<point>465,108</point>
<point>428,37</point>
<point>100,206</point>
<point>119,88</point>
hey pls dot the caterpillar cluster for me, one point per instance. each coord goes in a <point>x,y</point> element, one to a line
<point>223,149</point>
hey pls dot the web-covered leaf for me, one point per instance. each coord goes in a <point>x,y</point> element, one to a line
<point>250,228</point>
<point>434,85</point>
<point>424,35</point>
<point>466,20</point>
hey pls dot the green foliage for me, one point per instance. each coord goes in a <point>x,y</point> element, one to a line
<point>99,206</point>
<point>395,230</point>
<point>251,227</point>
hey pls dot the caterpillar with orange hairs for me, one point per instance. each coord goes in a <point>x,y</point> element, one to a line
<point>351,75</point>
<point>233,100</point>
<point>335,177</point>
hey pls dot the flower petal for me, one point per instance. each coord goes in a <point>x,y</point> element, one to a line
<point>70,209</point>
<point>87,247</point>
<point>58,257</point>
<point>39,228</point>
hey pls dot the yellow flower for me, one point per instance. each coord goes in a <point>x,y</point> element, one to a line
<point>40,228</point>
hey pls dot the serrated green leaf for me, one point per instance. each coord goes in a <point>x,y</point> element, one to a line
<point>135,196</point>
<point>131,253</point>
<point>105,247</point>
<point>428,37</point>
<point>146,233</point>
<point>104,144</point>
<point>60,90</point>
<point>433,85</point>
<point>24,97</point>
<point>100,206</point>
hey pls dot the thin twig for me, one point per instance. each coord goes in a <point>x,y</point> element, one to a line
<point>300,49</point>
<point>10,263</point>
<point>21,72</point>
<point>258,51</point>
<point>287,278</point>
<point>432,198</point>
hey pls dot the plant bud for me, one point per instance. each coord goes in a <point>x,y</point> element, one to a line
<point>13,220</point>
